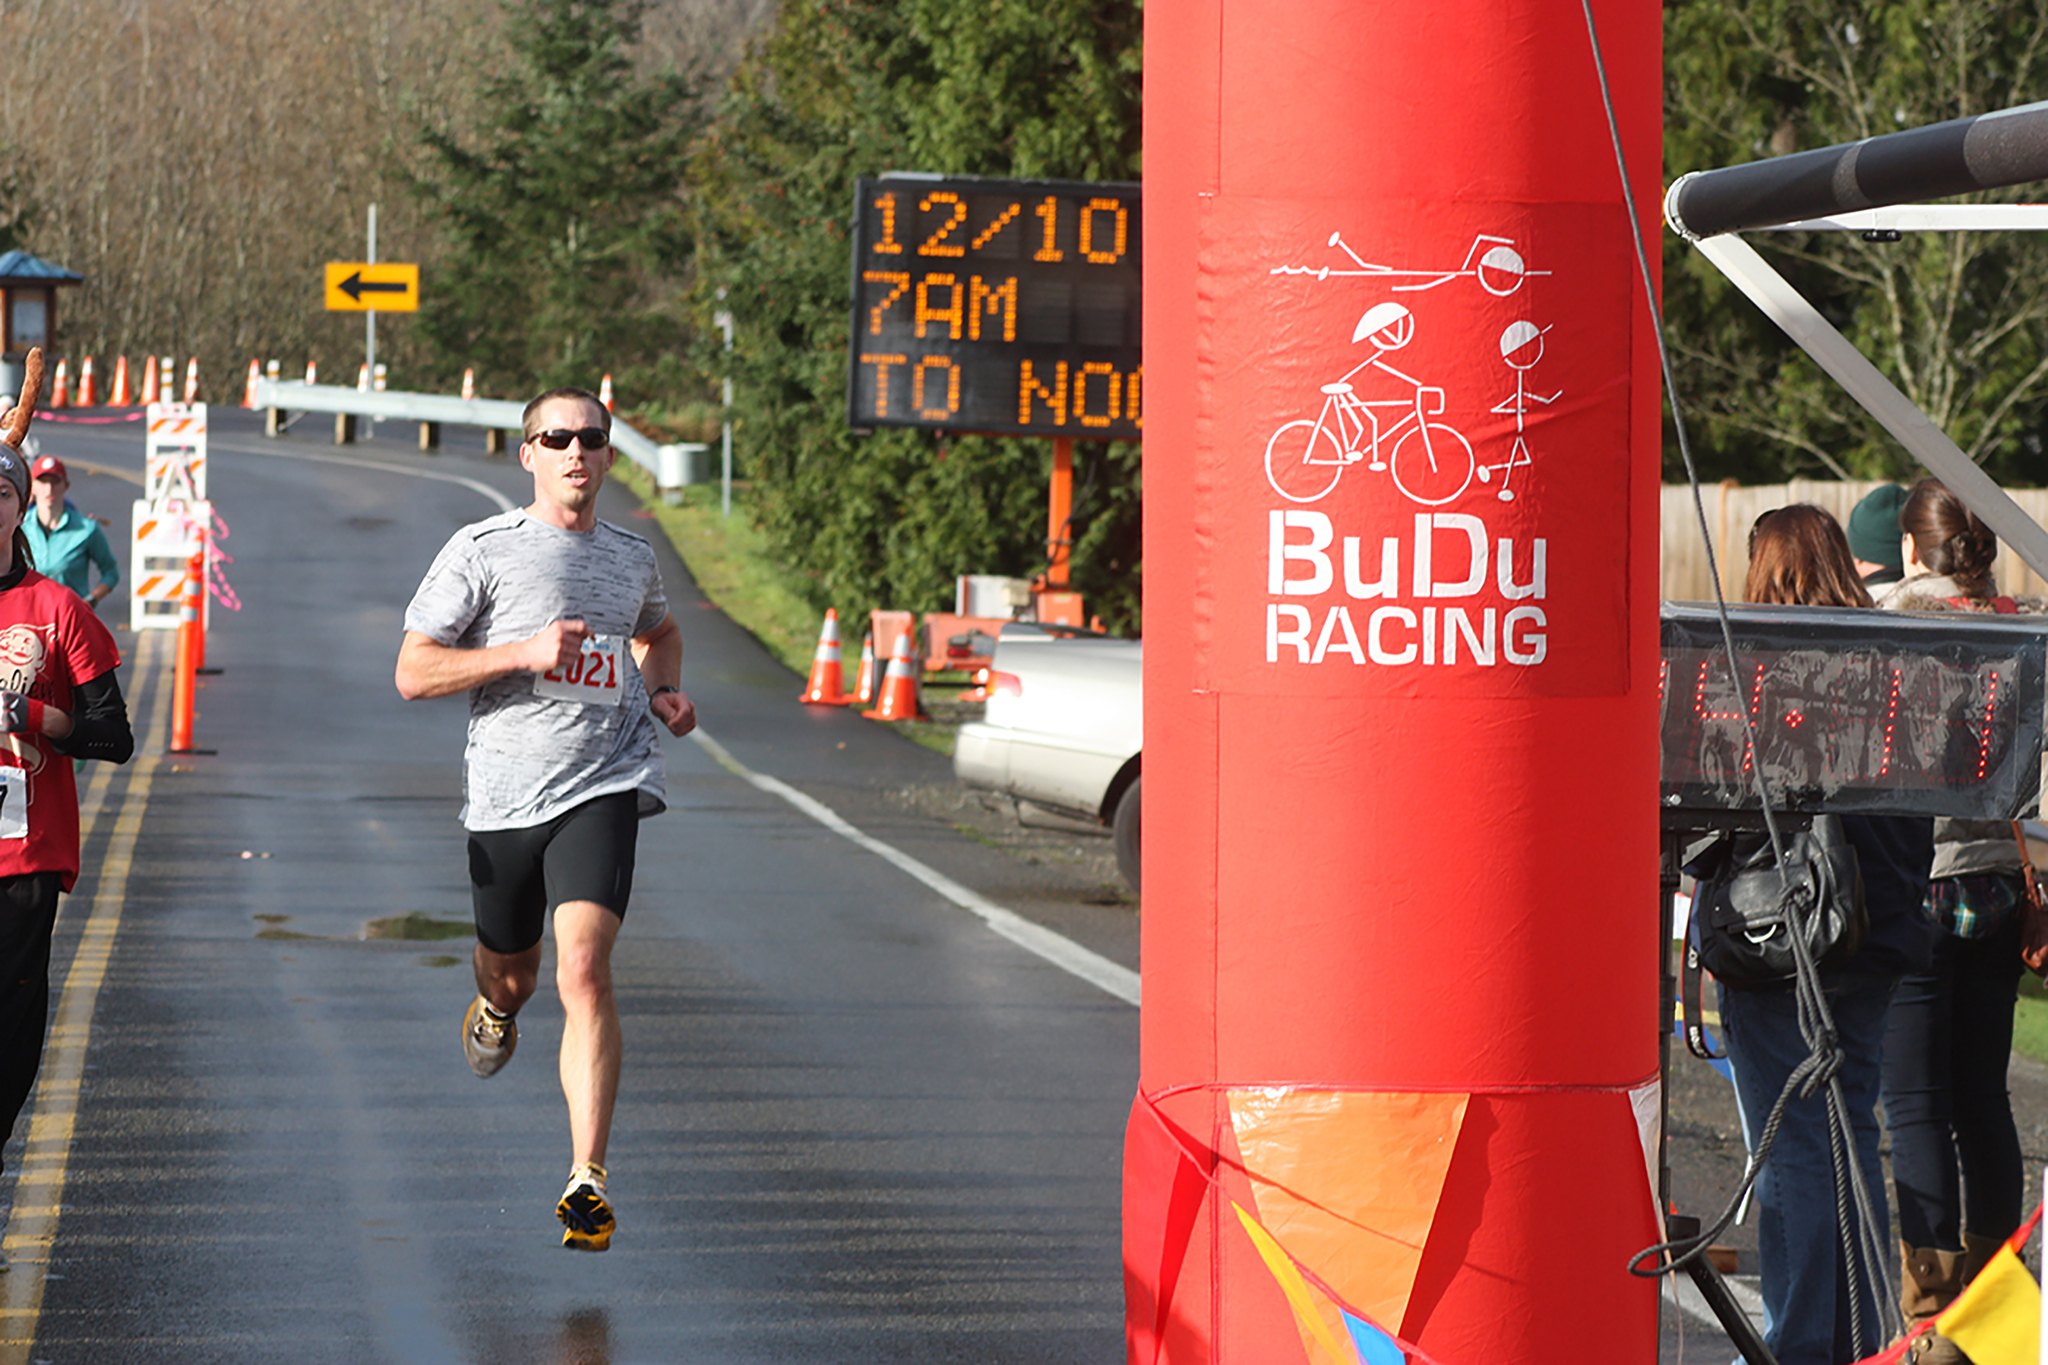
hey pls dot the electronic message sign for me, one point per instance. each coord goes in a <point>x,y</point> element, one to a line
<point>1897,713</point>
<point>1008,306</point>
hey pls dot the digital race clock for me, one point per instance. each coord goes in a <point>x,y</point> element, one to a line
<point>1934,713</point>
<point>1006,306</point>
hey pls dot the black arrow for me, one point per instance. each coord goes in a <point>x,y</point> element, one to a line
<point>355,286</point>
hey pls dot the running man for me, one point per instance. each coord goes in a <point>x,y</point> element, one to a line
<point>556,626</point>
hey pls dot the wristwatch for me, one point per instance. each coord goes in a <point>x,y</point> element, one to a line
<point>665,687</point>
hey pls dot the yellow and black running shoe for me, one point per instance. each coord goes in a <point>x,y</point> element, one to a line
<point>586,1216</point>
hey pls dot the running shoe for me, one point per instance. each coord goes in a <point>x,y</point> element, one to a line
<point>486,1042</point>
<point>586,1217</point>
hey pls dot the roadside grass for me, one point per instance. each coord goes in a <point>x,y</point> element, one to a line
<point>733,563</point>
<point>2030,1020</point>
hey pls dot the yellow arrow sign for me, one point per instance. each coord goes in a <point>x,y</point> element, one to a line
<point>361,287</point>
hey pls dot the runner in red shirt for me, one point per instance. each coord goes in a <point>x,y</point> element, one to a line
<point>59,701</point>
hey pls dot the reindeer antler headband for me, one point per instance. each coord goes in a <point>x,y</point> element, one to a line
<point>14,425</point>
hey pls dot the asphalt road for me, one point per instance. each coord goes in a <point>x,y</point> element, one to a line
<point>856,1121</point>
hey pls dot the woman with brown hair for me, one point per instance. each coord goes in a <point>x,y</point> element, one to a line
<point>1956,1167</point>
<point>1799,557</point>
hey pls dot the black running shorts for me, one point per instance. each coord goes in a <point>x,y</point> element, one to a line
<point>517,875</point>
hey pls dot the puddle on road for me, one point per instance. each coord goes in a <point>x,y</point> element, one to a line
<point>415,927</point>
<point>408,928</point>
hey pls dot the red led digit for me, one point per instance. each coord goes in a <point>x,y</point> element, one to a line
<point>1699,707</point>
<point>1984,740</point>
<point>1891,722</point>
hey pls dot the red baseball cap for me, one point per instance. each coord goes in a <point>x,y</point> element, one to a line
<point>49,467</point>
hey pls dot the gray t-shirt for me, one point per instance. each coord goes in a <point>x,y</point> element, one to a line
<point>540,744</point>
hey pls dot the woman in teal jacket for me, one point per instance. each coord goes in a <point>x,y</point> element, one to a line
<point>67,544</point>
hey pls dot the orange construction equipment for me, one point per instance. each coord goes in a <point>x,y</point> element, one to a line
<point>468,385</point>
<point>864,685</point>
<point>60,388</point>
<point>185,678</point>
<point>87,396</point>
<point>827,684</point>
<point>122,396</point>
<point>899,686</point>
<point>249,384</point>
<point>604,392</point>
<point>149,379</point>
<point>192,380</point>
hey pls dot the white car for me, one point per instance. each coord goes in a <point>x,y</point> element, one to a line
<point>1063,730</point>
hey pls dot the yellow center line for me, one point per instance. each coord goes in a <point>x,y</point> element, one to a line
<point>39,1198</point>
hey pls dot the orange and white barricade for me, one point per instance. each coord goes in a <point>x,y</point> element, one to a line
<point>165,538</point>
<point>174,457</point>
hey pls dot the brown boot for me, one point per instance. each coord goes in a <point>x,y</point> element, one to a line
<point>1977,1253</point>
<point>1929,1281</point>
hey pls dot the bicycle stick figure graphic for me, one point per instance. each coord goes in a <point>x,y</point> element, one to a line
<point>1521,346</point>
<point>1431,462</point>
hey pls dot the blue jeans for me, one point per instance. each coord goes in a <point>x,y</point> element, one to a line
<point>1945,1098</point>
<point>1806,1284</point>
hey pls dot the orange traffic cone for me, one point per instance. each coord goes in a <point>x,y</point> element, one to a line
<point>826,685</point>
<point>192,380</point>
<point>604,392</point>
<point>312,373</point>
<point>60,388</point>
<point>86,394</point>
<point>249,385</point>
<point>864,685</point>
<point>899,686</point>
<point>149,379</point>
<point>363,378</point>
<point>121,397</point>
<point>163,377</point>
<point>468,385</point>
<point>377,377</point>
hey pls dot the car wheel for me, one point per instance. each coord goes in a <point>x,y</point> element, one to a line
<point>1125,827</point>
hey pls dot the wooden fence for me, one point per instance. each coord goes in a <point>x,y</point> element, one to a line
<point>1732,508</point>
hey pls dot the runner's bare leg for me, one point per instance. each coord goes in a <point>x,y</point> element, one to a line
<point>506,979</point>
<point>584,934</point>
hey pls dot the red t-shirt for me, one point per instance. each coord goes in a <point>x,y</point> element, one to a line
<point>50,641</point>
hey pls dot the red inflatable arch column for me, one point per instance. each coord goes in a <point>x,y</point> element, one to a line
<point>1400,1025</point>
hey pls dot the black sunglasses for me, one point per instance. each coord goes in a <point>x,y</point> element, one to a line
<point>593,438</point>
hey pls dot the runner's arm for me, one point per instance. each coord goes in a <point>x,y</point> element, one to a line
<point>659,654</point>
<point>101,553</point>
<point>428,668</point>
<point>97,725</point>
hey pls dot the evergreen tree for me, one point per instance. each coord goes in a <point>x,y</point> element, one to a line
<point>844,88</point>
<point>564,210</point>
<point>1957,320</point>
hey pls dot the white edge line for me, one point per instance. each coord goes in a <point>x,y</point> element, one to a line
<point>1060,951</point>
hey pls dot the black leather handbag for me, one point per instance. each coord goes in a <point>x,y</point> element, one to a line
<point>1744,913</point>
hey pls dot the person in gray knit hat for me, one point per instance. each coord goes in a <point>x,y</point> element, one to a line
<point>1874,536</point>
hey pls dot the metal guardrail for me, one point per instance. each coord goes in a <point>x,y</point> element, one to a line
<point>672,465</point>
